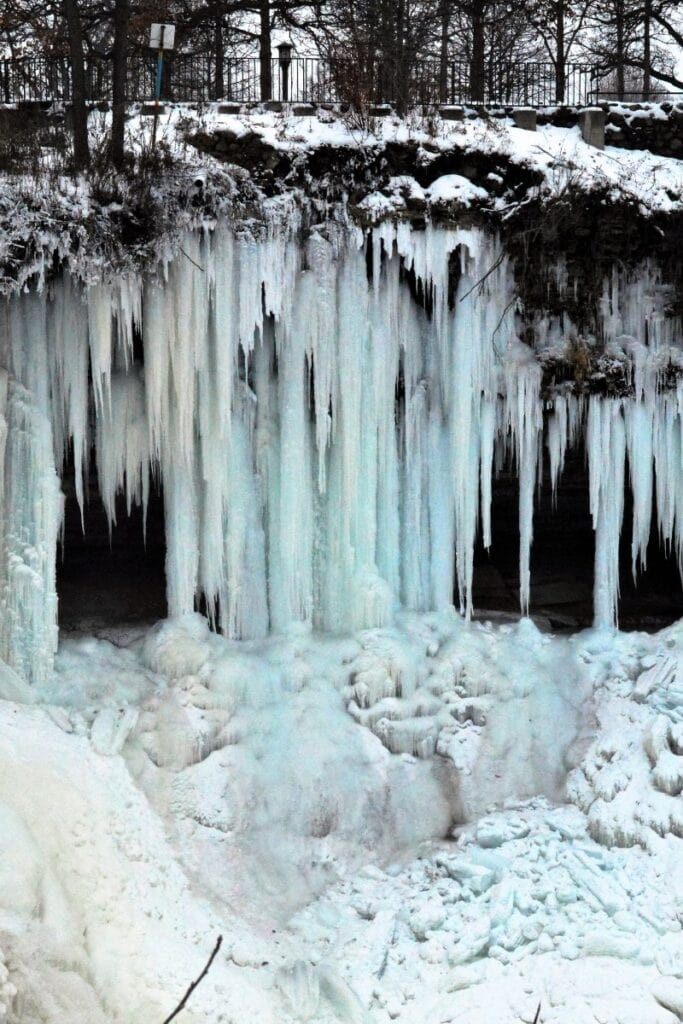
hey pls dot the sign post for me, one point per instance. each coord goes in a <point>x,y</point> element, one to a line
<point>161,38</point>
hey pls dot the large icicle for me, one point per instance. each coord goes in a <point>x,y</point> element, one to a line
<point>31,498</point>
<point>606,444</point>
<point>525,418</point>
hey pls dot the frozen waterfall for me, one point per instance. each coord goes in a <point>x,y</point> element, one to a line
<point>326,418</point>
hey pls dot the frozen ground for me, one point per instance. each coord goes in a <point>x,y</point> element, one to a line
<point>431,823</point>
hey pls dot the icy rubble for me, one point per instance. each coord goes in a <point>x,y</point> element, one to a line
<point>630,782</point>
<point>325,442</point>
<point>464,699</point>
<point>521,884</point>
<point>198,785</point>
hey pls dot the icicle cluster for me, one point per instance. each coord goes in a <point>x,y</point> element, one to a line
<point>325,419</point>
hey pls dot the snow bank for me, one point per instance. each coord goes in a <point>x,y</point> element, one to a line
<point>426,821</point>
<point>557,155</point>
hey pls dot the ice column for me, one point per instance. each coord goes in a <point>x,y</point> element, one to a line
<point>31,497</point>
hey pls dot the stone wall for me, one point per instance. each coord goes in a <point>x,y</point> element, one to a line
<point>657,127</point>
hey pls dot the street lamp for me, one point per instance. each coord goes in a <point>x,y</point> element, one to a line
<point>285,51</point>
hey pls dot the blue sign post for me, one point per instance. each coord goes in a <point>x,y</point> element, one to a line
<point>162,38</point>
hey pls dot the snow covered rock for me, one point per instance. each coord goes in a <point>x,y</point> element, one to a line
<point>669,993</point>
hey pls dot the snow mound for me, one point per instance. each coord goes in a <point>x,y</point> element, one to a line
<point>176,786</point>
<point>631,779</point>
<point>465,697</point>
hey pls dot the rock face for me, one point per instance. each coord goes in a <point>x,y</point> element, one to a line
<point>657,127</point>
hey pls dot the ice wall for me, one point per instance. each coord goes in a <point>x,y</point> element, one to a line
<point>30,498</point>
<point>326,418</point>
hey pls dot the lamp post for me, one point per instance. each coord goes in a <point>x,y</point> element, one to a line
<point>285,58</point>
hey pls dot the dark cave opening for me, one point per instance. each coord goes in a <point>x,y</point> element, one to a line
<point>104,580</point>
<point>562,556</point>
<point>120,581</point>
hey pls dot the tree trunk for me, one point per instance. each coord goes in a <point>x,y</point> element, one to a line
<point>220,62</point>
<point>443,52</point>
<point>560,56</point>
<point>119,75</point>
<point>477,65</point>
<point>78,85</point>
<point>647,49</point>
<point>620,51</point>
<point>400,88</point>
<point>265,51</point>
<point>384,55</point>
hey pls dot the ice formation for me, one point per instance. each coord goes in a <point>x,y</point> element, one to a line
<point>325,418</point>
<point>169,785</point>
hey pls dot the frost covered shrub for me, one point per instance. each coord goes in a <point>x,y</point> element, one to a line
<point>32,141</point>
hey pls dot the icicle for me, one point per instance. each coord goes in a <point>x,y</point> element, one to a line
<point>32,500</point>
<point>606,445</point>
<point>182,536</point>
<point>100,311</point>
<point>123,446</point>
<point>68,349</point>
<point>326,443</point>
<point>639,418</point>
<point>128,314</point>
<point>523,383</point>
<point>479,332</point>
<point>557,440</point>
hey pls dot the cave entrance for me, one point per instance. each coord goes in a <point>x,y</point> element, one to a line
<point>107,582</point>
<point>562,557</point>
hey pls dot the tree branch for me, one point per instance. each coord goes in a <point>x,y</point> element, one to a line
<point>192,987</point>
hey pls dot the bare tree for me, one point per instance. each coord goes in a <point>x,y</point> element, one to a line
<point>265,49</point>
<point>74,26</point>
<point>633,45</point>
<point>662,32</point>
<point>119,79</point>
<point>613,35</point>
<point>379,44</point>
<point>559,24</point>
<point>494,39</point>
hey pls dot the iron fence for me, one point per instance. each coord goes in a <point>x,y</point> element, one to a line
<point>636,96</point>
<point>199,78</point>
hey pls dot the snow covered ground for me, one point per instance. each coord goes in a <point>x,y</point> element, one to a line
<point>77,221</point>
<point>557,154</point>
<point>435,822</point>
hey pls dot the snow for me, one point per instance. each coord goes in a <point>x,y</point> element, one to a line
<point>171,785</point>
<point>451,188</point>
<point>558,154</point>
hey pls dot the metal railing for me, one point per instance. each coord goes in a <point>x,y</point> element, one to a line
<point>636,96</point>
<point>195,78</point>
